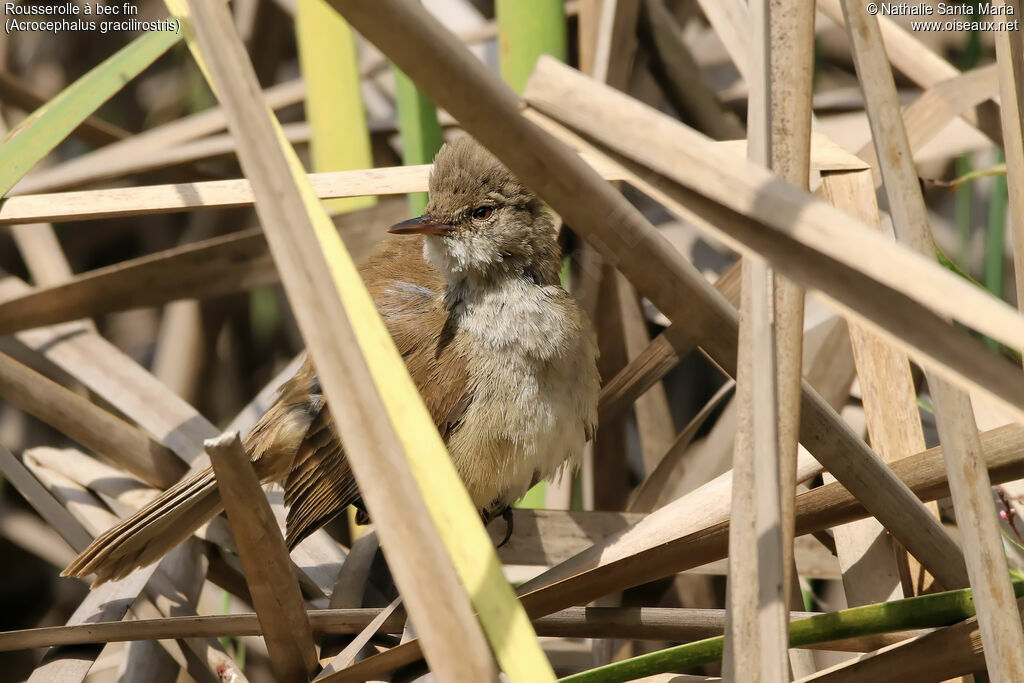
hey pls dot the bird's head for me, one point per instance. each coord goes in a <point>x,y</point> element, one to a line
<point>481,223</point>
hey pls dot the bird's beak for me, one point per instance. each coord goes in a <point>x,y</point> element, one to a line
<point>421,225</point>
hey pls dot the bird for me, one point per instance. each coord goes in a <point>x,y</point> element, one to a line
<point>503,356</point>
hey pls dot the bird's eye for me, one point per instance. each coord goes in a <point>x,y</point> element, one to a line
<point>482,213</point>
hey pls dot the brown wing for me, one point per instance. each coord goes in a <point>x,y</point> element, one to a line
<point>320,484</point>
<point>407,291</point>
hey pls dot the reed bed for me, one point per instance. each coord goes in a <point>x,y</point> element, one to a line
<point>778,215</point>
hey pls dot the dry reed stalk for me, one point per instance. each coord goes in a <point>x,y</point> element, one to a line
<point>125,495</point>
<point>614,55</point>
<point>354,581</point>
<point>166,660</point>
<point>188,153</point>
<point>969,483</point>
<point>87,511</point>
<point>706,459</point>
<point>769,365</point>
<point>354,588</point>
<point>135,201</point>
<point>143,200</point>
<point>825,154</point>
<point>119,491</point>
<point>828,360</point>
<point>318,557</point>
<point>789,49</point>
<point>600,569</point>
<point>604,294</point>
<point>174,587</point>
<point>119,202</point>
<point>755,643</point>
<point>614,306</point>
<point>219,265</point>
<point>261,548</point>
<point>39,247</point>
<point>33,534</point>
<point>178,358</point>
<point>870,570</point>
<point>894,519</point>
<point>422,569</point>
<point>550,536</point>
<point>109,602</point>
<point>813,561</point>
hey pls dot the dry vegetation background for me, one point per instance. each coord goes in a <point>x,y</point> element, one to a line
<point>193,298</point>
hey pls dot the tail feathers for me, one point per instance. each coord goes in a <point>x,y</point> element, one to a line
<point>151,532</point>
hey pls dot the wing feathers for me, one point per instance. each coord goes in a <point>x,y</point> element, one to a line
<point>407,291</point>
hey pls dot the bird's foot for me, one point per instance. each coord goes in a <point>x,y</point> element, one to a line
<point>488,515</point>
<point>506,515</point>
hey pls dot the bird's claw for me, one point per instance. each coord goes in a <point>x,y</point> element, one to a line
<point>489,515</point>
<point>506,515</point>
